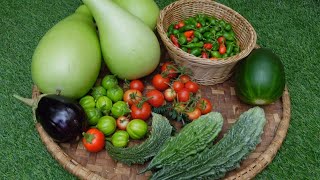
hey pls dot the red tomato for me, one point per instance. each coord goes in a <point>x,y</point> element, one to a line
<point>169,69</point>
<point>222,49</point>
<point>183,95</point>
<point>184,78</point>
<point>160,83</point>
<point>195,114</point>
<point>204,105</point>
<point>221,39</point>
<point>142,112</point>
<point>137,84</point>
<point>204,55</point>
<point>192,86</point>
<point>93,140</point>
<point>198,25</point>
<point>155,98</point>
<point>181,24</point>
<point>169,94</point>
<point>122,122</point>
<point>207,46</point>
<point>177,86</point>
<point>132,96</point>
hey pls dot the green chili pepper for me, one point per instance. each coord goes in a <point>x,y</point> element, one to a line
<point>200,17</point>
<point>212,20</point>
<point>93,115</point>
<point>190,20</point>
<point>198,35</point>
<point>217,28</point>
<point>225,55</point>
<point>194,45</point>
<point>213,31</point>
<point>175,32</point>
<point>104,104</point>
<point>222,22</point>
<point>208,35</point>
<point>204,29</point>
<point>187,27</point>
<point>195,40</point>
<point>196,51</point>
<point>236,49</point>
<point>228,27</point>
<point>228,36</point>
<point>218,34</point>
<point>185,49</point>
<point>182,39</point>
<point>215,46</point>
<point>170,29</point>
<point>215,54</point>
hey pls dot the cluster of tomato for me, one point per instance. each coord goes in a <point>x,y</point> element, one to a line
<point>170,86</point>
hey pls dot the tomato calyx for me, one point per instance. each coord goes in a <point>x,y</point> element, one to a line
<point>88,137</point>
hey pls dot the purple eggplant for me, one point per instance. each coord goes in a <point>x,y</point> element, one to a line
<point>62,118</point>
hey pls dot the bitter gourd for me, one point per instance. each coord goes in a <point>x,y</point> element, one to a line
<point>138,154</point>
<point>193,138</point>
<point>213,162</point>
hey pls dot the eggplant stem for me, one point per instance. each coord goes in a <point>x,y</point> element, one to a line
<point>29,102</point>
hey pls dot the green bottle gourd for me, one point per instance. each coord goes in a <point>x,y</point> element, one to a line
<point>146,10</point>
<point>129,47</point>
<point>68,57</point>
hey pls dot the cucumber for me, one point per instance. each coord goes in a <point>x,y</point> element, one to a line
<point>139,154</point>
<point>214,161</point>
<point>193,138</point>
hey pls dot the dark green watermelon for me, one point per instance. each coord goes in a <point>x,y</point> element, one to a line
<point>260,77</point>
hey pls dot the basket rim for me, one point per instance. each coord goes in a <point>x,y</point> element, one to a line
<point>261,162</point>
<point>198,60</point>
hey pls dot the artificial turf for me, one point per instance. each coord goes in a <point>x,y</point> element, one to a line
<point>290,28</point>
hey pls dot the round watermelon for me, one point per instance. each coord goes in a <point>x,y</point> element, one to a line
<point>260,77</point>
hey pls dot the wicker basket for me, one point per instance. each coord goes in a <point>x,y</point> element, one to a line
<point>205,71</point>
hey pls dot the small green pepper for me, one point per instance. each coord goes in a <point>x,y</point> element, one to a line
<point>195,40</point>
<point>229,48</point>
<point>182,39</point>
<point>215,46</point>
<point>208,35</point>
<point>204,29</point>
<point>196,51</point>
<point>185,49</point>
<point>175,32</point>
<point>228,36</point>
<point>212,20</point>
<point>104,104</point>
<point>225,55</point>
<point>87,102</point>
<point>215,54</point>
<point>218,34</point>
<point>190,20</point>
<point>217,28</point>
<point>198,35</point>
<point>98,91</point>
<point>236,49</point>
<point>194,45</point>
<point>187,27</point>
<point>93,115</point>
<point>228,27</point>
<point>222,22</point>
<point>170,29</point>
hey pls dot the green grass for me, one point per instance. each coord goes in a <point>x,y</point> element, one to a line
<point>290,27</point>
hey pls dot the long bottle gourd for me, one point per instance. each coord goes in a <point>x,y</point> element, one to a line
<point>213,162</point>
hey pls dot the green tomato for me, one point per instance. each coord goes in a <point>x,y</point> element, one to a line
<point>104,104</point>
<point>107,125</point>
<point>87,102</point>
<point>93,115</point>
<point>109,81</point>
<point>120,108</point>
<point>137,128</point>
<point>120,138</point>
<point>98,91</point>
<point>115,93</point>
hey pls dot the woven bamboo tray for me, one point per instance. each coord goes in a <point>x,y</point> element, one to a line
<point>84,165</point>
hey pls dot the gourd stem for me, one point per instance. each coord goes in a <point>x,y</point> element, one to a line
<point>29,102</point>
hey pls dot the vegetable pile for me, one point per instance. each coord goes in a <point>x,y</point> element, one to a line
<point>204,36</point>
<point>130,111</point>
